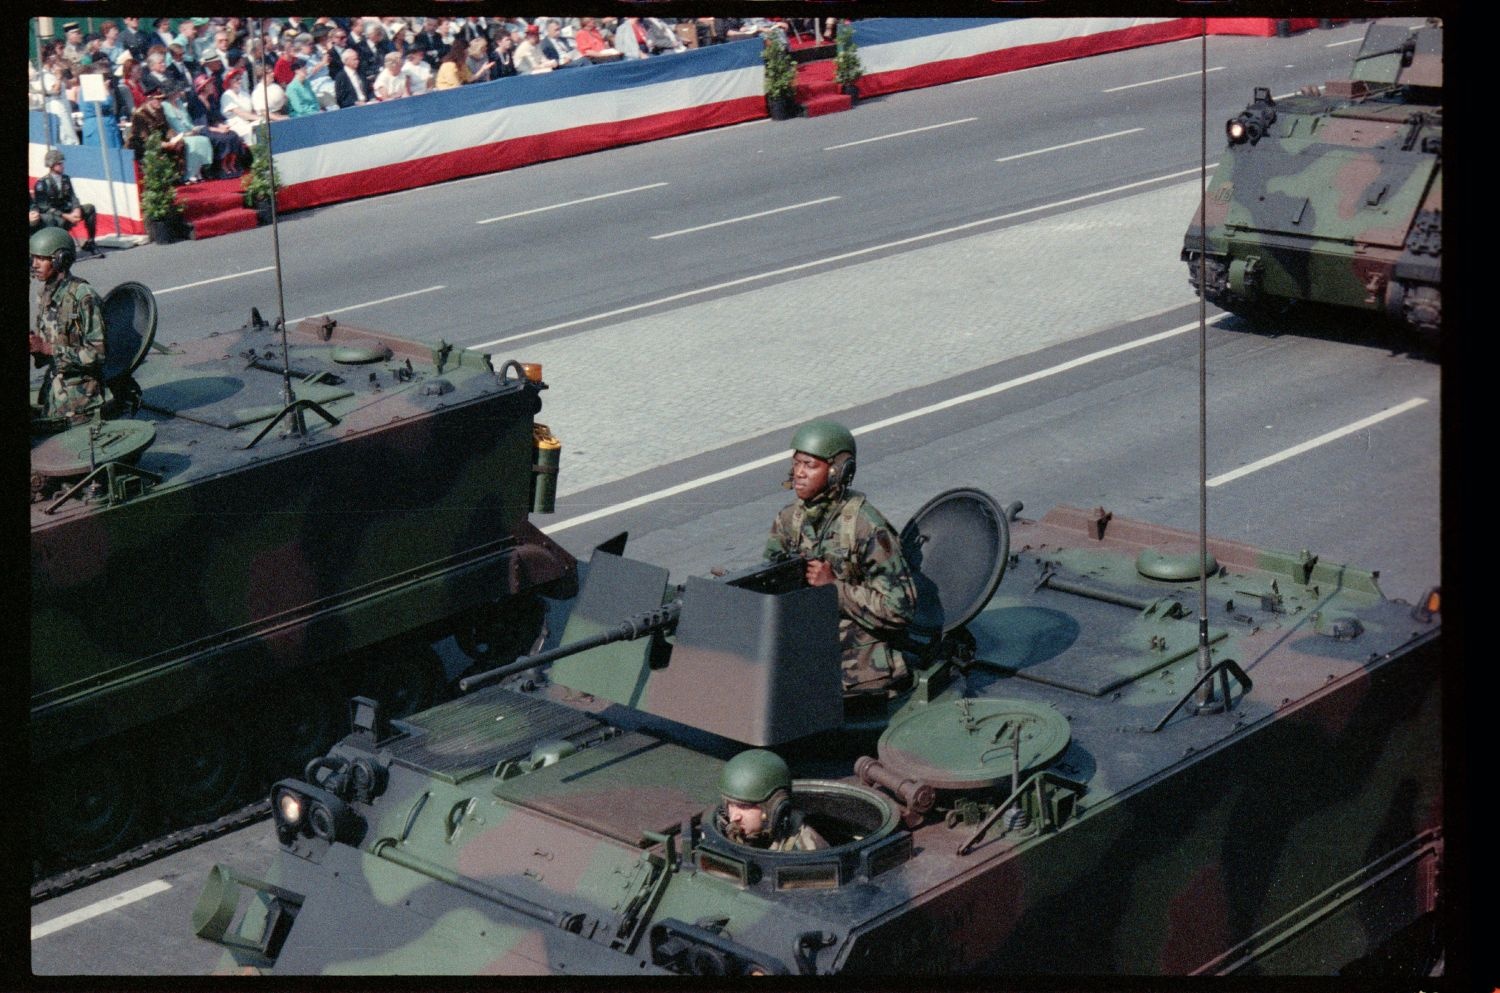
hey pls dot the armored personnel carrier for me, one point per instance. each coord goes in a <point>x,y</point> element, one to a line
<point>1069,785</point>
<point>258,534</point>
<point>1334,196</point>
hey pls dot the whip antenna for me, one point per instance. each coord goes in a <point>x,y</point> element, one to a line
<point>288,398</point>
<point>1206,702</point>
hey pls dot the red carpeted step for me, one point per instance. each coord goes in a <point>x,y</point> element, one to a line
<point>827,103</point>
<point>223,222</point>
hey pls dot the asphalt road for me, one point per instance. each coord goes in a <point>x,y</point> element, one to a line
<point>1023,327</point>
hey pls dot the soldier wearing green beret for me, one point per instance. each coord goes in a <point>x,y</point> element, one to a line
<point>849,544</point>
<point>68,337</point>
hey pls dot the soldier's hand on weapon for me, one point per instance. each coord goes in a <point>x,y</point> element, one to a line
<point>819,572</point>
<point>40,345</point>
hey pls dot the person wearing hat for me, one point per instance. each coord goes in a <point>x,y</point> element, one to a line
<point>197,150</point>
<point>529,57</point>
<point>67,338</point>
<point>848,544</point>
<point>72,42</point>
<point>132,38</point>
<point>56,203</point>
<point>756,808</point>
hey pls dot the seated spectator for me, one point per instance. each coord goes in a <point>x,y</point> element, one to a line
<point>239,111</point>
<point>391,83</point>
<point>559,49</point>
<point>266,93</point>
<point>477,60</point>
<point>417,72</point>
<point>429,41</point>
<point>453,71</point>
<point>299,95</point>
<point>198,152</point>
<point>131,73</point>
<point>632,40</point>
<point>503,54</point>
<point>590,42</point>
<point>54,84</point>
<point>203,109</point>
<point>373,50</point>
<point>529,57</point>
<point>661,37</point>
<point>348,85</point>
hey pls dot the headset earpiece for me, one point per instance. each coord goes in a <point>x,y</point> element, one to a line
<point>841,470</point>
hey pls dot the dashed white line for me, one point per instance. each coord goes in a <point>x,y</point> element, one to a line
<point>841,257</point>
<point>899,134</point>
<point>1321,439</point>
<point>1163,79</point>
<point>932,408</point>
<point>1070,144</point>
<point>95,909</point>
<point>367,303</point>
<point>745,217</point>
<point>1351,41</point>
<point>215,279</point>
<point>571,203</point>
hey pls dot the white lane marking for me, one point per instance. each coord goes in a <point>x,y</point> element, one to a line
<point>899,134</point>
<point>933,408</point>
<point>727,127</point>
<point>367,303</point>
<point>1351,41</point>
<point>570,203</point>
<point>1321,439</point>
<point>746,217</point>
<point>842,256</point>
<point>95,909</point>
<point>215,279</point>
<point>1163,79</point>
<point>1070,144</point>
<point>1283,96</point>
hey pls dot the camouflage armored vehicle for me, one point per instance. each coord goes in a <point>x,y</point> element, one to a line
<point>1334,196</point>
<point>1068,786</point>
<point>209,585</point>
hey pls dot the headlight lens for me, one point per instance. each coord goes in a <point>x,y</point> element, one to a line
<point>290,805</point>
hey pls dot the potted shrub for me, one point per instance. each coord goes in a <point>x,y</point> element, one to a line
<point>260,182</point>
<point>847,69</point>
<point>159,206</point>
<point>781,78</point>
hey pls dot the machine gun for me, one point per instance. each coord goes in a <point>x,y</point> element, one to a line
<point>779,576</point>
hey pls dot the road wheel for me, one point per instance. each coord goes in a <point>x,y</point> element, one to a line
<point>203,767</point>
<point>88,806</point>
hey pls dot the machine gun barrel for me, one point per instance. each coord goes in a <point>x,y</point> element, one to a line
<point>639,626</point>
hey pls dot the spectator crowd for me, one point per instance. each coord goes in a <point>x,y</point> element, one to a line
<point>204,85</point>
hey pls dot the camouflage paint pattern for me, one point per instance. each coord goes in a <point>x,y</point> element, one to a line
<point>70,317</point>
<point>292,572</point>
<point>1299,831</point>
<point>1339,200</point>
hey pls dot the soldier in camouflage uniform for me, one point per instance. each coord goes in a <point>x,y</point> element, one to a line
<point>55,201</point>
<point>757,808</point>
<point>849,544</point>
<point>68,337</point>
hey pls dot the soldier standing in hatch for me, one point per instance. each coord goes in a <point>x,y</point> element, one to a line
<point>849,544</point>
<point>68,336</point>
<point>56,202</point>
<point>757,807</point>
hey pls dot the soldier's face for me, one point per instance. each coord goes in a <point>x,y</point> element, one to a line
<point>41,268</point>
<point>745,819</point>
<point>809,475</point>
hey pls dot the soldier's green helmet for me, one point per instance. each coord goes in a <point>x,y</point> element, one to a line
<point>53,157</point>
<point>825,439</point>
<point>55,244</point>
<point>752,776</point>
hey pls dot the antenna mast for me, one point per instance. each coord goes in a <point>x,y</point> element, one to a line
<point>288,398</point>
<point>1206,702</point>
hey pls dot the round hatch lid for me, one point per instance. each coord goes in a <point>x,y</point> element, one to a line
<point>956,546</point>
<point>970,743</point>
<point>66,455</point>
<point>360,354</point>
<point>130,326</point>
<point>1173,564</point>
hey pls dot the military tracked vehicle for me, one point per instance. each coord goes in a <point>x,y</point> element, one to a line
<point>1069,785</point>
<point>1334,196</point>
<point>257,535</point>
